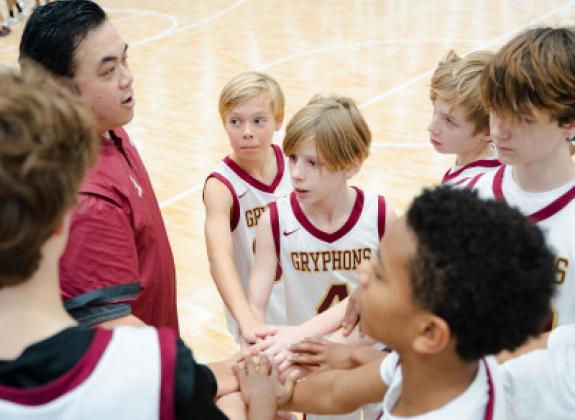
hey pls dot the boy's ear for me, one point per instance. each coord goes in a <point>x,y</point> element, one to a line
<point>433,335</point>
<point>279,122</point>
<point>569,128</point>
<point>485,135</point>
<point>352,169</point>
<point>64,224</point>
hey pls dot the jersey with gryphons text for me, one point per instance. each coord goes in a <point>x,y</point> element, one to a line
<point>319,268</point>
<point>250,200</point>
<point>554,212</point>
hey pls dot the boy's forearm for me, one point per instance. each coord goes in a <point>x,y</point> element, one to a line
<point>233,294</point>
<point>362,355</point>
<point>326,322</point>
<point>313,394</point>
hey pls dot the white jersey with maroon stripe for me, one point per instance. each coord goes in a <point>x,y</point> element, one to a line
<point>319,268</point>
<point>554,212</point>
<point>461,175</point>
<point>250,200</point>
<point>127,373</point>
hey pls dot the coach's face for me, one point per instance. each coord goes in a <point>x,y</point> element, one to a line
<point>103,77</point>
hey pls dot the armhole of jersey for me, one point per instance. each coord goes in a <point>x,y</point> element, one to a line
<point>167,343</point>
<point>235,213</point>
<point>381,213</point>
<point>275,222</point>
<point>474,181</point>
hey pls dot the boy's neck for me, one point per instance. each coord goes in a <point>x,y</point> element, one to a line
<point>545,175</point>
<point>481,152</point>
<point>264,169</point>
<point>431,382</point>
<point>32,310</point>
<point>330,214</point>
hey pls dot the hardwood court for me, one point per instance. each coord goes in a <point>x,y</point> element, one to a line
<point>380,52</point>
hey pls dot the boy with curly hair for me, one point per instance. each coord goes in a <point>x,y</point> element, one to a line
<point>456,279</point>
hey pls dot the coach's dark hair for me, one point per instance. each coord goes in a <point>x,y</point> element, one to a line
<point>54,32</point>
<point>482,267</point>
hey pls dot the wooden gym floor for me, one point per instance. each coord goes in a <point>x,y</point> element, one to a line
<point>379,52</point>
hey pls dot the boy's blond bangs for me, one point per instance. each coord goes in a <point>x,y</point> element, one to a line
<point>249,85</point>
<point>341,134</point>
<point>533,74</point>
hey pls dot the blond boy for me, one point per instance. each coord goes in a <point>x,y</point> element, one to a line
<point>459,123</point>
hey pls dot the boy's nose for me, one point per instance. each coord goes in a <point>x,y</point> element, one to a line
<point>498,128</point>
<point>248,134</point>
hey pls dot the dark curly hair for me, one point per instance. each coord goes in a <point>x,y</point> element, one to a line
<point>482,267</point>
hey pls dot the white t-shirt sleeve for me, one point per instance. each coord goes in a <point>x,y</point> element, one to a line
<point>541,385</point>
<point>562,336</point>
<point>388,367</point>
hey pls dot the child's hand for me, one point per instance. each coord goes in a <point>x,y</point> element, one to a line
<point>284,337</point>
<point>260,384</point>
<point>352,312</point>
<point>252,332</point>
<point>319,354</point>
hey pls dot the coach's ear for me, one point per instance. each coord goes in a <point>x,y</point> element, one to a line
<point>433,335</point>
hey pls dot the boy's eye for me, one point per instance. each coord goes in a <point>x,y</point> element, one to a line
<point>525,119</point>
<point>312,162</point>
<point>291,158</point>
<point>259,121</point>
<point>450,121</point>
<point>235,121</point>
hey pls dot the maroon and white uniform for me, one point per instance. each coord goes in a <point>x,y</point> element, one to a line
<point>554,212</point>
<point>484,398</point>
<point>126,373</point>
<point>250,199</point>
<point>319,268</point>
<point>118,259</point>
<point>461,175</point>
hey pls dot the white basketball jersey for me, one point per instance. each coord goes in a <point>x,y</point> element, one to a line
<point>319,268</point>
<point>554,213</point>
<point>250,199</point>
<point>460,175</point>
<point>119,377</point>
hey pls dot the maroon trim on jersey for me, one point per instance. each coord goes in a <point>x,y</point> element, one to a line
<point>320,234</point>
<point>461,181</point>
<point>484,163</point>
<point>549,210</point>
<point>474,181</point>
<point>491,402</point>
<point>235,210</point>
<point>275,222</point>
<point>168,354</point>
<point>254,182</point>
<point>381,213</point>
<point>67,382</point>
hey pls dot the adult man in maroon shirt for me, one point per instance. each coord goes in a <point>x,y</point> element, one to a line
<point>118,267</point>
